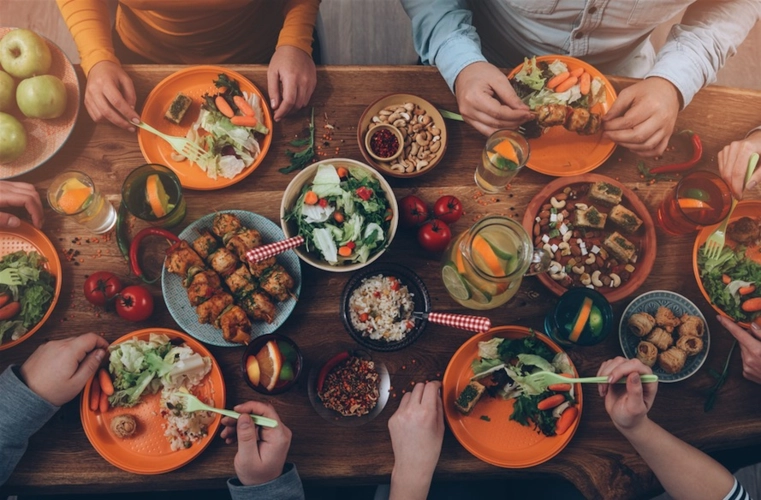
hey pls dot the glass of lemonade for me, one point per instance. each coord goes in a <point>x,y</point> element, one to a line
<point>484,266</point>
<point>153,193</point>
<point>73,193</point>
<point>505,153</point>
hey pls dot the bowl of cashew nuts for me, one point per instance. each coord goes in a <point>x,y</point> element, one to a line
<point>421,127</point>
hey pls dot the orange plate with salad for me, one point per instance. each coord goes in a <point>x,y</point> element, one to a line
<point>487,431</point>
<point>560,152</point>
<point>735,281</point>
<point>148,450</point>
<point>194,83</point>
<point>28,238</point>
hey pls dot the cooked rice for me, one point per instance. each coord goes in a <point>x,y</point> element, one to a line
<point>180,427</point>
<point>389,311</point>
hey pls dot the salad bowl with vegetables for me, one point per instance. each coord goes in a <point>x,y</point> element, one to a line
<point>345,211</point>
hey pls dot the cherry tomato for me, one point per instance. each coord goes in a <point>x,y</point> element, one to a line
<point>412,211</point>
<point>364,192</point>
<point>101,287</point>
<point>434,235</point>
<point>135,303</point>
<point>448,209</point>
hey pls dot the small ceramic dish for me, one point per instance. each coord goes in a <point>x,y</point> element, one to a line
<point>377,135</point>
<point>289,353</point>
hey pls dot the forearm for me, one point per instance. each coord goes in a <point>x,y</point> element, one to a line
<point>22,413</point>
<point>684,471</point>
<point>286,487</point>
<point>407,483</point>
<point>298,25</point>
<point>90,25</point>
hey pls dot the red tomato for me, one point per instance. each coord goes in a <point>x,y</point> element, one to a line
<point>434,236</point>
<point>412,211</point>
<point>448,209</point>
<point>135,303</point>
<point>101,287</point>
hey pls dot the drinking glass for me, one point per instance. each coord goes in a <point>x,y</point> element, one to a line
<point>73,193</point>
<point>153,193</point>
<point>573,322</point>
<point>505,153</point>
<point>700,199</point>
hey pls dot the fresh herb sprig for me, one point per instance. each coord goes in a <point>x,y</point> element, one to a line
<point>300,159</point>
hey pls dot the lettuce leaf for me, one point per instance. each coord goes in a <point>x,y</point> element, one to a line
<point>530,74</point>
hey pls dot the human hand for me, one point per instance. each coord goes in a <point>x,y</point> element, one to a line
<point>110,95</point>
<point>294,70</point>
<point>58,370</point>
<point>750,347</point>
<point>642,118</point>
<point>487,101</point>
<point>733,163</point>
<point>417,431</point>
<point>627,405</point>
<point>20,194</point>
<point>261,450</point>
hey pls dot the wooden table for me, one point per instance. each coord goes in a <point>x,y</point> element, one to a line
<point>598,460</point>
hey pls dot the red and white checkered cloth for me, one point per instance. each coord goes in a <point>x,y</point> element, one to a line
<point>270,250</point>
<point>461,321</point>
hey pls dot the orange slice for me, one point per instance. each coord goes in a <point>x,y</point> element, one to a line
<point>270,364</point>
<point>581,320</point>
<point>691,203</point>
<point>156,195</point>
<point>252,370</point>
<point>507,151</point>
<point>485,258</point>
<point>73,196</point>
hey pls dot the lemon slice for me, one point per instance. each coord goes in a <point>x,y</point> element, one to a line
<point>454,282</point>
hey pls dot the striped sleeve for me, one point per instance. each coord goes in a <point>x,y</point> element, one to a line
<point>737,492</point>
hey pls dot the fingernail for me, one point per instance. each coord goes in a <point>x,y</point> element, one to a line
<point>132,129</point>
<point>272,103</point>
<point>636,380</point>
<point>100,354</point>
<point>756,326</point>
<point>720,318</point>
<point>14,221</point>
<point>136,121</point>
<point>610,379</point>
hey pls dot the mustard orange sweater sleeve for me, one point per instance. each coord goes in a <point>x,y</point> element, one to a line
<point>298,27</point>
<point>90,25</point>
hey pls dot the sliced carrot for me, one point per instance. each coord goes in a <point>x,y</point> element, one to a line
<point>94,394</point>
<point>726,279</point>
<point>560,387</point>
<point>244,121</point>
<point>746,290</point>
<point>565,421</point>
<point>567,84</point>
<point>585,83</point>
<point>311,198</point>
<point>105,382</point>
<point>558,79</point>
<point>103,403</point>
<point>243,106</point>
<point>577,72</point>
<point>581,320</point>
<point>551,402</point>
<point>338,217</point>
<point>223,106</point>
<point>342,172</point>
<point>344,251</point>
<point>752,305</point>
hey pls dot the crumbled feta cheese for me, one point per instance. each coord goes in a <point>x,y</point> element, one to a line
<point>579,241</point>
<point>554,248</point>
<point>546,238</point>
<point>538,219</point>
<point>595,249</point>
<point>584,251</point>
<point>563,229</point>
<point>553,217</point>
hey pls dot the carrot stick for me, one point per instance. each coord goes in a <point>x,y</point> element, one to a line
<point>567,84</point>
<point>243,106</point>
<point>94,394</point>
<point>244,121</point>
<point>338,217</point>
<point>223,107</point>
<point>560,387</point>
<point>726,279</point>
<point>311,198</point>
<point>103,404</point>
<point>551,402</point>
<point>342,172</point>
<point>585,84</point>
<point>558,79</point>
<point>752,305</point>
<point>746,290</point>
<point>105,382</point>
<point>565,421</point>
<point>577,72</point>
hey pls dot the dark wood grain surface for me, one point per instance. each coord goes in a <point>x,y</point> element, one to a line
<point>598,460</point>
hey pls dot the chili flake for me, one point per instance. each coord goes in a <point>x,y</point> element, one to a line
<point>384,143</point>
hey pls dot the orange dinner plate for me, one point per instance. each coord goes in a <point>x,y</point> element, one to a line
<point>45,137</point>
<point>148,451</point>
<point>560,152</point>
<point>498,441</point>
<point>193,82</point>
<point>26,237</point>
<point>748,208</point>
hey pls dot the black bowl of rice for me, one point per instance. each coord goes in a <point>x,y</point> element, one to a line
<point>377,305</point>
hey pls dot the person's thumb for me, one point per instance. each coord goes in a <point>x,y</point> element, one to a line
<point>754,180</point>
<point>755,329</point>
<point>248,447</point>
<point>8,220</point>
<point>88,367</point>
<point>273,87</point>
<point>634,386</point>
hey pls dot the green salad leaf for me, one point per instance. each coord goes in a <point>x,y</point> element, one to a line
<point>740,269</point>
<point>35,292</point>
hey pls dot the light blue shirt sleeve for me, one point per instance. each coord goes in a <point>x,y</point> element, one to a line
<point>444,36</point>
<point>699,46</point>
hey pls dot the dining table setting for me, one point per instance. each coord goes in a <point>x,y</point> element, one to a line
<point>527,257</point>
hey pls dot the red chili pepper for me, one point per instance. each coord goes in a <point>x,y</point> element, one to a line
<point>332,363</point>
<point>697,153</point>
<point>135,247</point>
<point>364,192</point>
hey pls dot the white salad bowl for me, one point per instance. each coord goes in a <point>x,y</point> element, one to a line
<point>292,193</point>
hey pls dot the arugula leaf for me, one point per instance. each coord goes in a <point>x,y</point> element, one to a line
<point>300,159</point>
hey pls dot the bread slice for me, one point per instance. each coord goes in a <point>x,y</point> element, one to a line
<point>178,108</point>
<point>620,247</point>
<point>606,193</point>
<point>469,397</point>
<point>591,218</point>
<point>625,219</point>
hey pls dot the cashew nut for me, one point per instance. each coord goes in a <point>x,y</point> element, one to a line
<point>565,248</point>
<point>596,279</point>
<point>421,165</point>
<point>586,279</point>
<point>591,259</point>
<point>415,148</point>
<point>406,116</point>
<point>385,112</point>
<point>578,269</point>
<point>557,271</point>
<point>582,206</point>
<point>376,119</point>
<point>616,280</point>
<point>409,106</point>
<point>425,119</point>
<point>399,122</point>
<point>435,146</point>
<point>567,236</point>
<point>435,131</point>
<point>548,248</point>
<point>423,138</point>
<point>557,203</point>
<point>397,167</point>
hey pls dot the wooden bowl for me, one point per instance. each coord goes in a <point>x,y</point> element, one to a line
<point>401,99</point>
<point>293,191</point>
<point>647,245</point>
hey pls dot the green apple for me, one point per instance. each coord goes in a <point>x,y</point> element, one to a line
<point>23,53</point>
<point>7,91</point>
<point>41,97</point>
<point>12,138</point>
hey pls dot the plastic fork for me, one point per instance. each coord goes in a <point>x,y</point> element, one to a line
<point>10,277</point>
<point>451,115</point>
<point>192,403</point>
<point>715,242</point>
<point>182,145</point>
<point>544,379</point>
